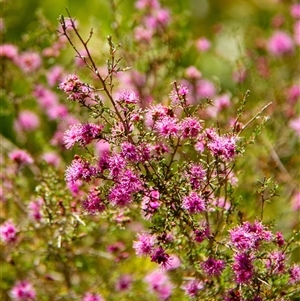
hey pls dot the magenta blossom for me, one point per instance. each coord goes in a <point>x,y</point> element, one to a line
<point>203,44</point>
<point>82,134</point>
<point>80,170</point>
<point>21,157</point>
<point>294,124</point>
<point>295,10</point>
<point>127,97</point>
<point>35,209</point>
<point>161,257</point>
<point>167,127</point>
<point>27,121</point>
<point>223,147</point>
<point>159,283</point>
<point>123,283</point>
<point>23,291</point>
<point>29,61</point>
<point>8,232</point>
<point>193,203</point>
<point>213,267</point>
<point>193,287</point>
<point>243,267</point>
<point>52,158</point>
<point>178,95</point>
<point>205,89</point>
<point>190,127</point>
<point>294,272</point>
<point>92,297</point>
<point>93,203</point>
<point>193,73</point>
<point>280,44</point>
<point>9,51</point>
<point>196,175</point>
<point>144,245</point>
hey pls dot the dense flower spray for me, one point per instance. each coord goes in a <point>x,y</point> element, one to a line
<point>134,183</point>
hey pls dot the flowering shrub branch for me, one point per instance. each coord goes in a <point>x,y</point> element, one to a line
<point>151,201</point>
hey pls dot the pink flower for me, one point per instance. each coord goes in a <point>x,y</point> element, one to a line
<point>21,157</point>
<point>220,103</point>
<point>8,50</point>
<point>27,121</point>
<point>23,291</point>
<point>295,10</point>
<point>127,185</point>
<point>144,245</point>
<point>34,209</point>
<point>150,204</point>
<point>166,127</point>
<point>127,96</point>
<point>159,284</point>
<point>159,256</point>
<point>190,127</point>
<point>248,236</point>
<point>174,263</point>
<point>192,287</point>
<point>202,233</point>
<point>193,73</point>
<point>92,297</point>
<point>200,146</point>
<point>196,175</point>
<point>243,267</point>
<point>239,75</point>
<point>144,4</point>
<point>46,98</point>
<point>155,113</point>
<point>202,44</point>
<point>193,203</point>
<point>297,33</point>
<point>205,89</point>
<point>163,16</point>
<point>158,18</point>
<point>123,283</point>
<point>82,133</point>
<point>79,170</point>
<point>93,203</point>
<point>295,201</point>
<point>280,44</point>
<point>75,89</point>
<point>279,240</point>
<point>293,94</point>
<point>102,148</point>
<point>29,61</point>
<point>294,272</point>
<point>223,147</point>
<point>275,262</point>
<point>294,124</point>
<point>142,34</point>
<point>179,96</point>
<point>213,267</point>
<point>8,232</point>
<point>52,158</point>
<point>57,112</point>
<point>54,75</point>
<point>116,165</point>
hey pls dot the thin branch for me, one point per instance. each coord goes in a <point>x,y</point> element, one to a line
<point>255,116</point>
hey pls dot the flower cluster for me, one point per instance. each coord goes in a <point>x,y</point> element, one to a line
<point>83,134</point>
<point>77,90</point>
